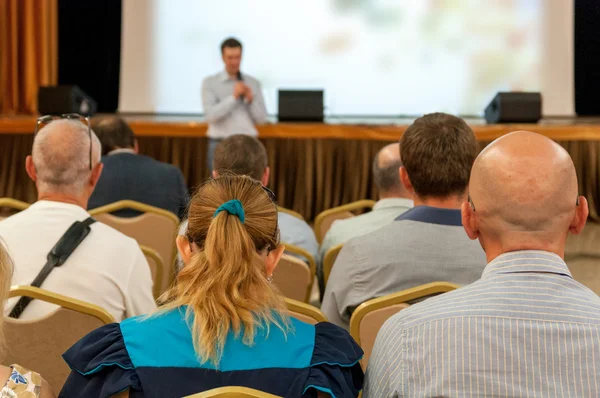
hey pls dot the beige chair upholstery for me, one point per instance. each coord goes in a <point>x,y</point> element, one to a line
<point>156,228</point>
<point>305,312</point>
<point>294,277</point>
<point>370,316</point>
<point>38,344</point>
<point>290,212</point>
<point>329,260</point>
<point>325,219</point>
<point>233,392</point>
<point>582,255</point>
<point>157,269</point>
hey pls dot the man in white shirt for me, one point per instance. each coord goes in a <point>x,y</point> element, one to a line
<point>232,101</point>
<point>394,200</point>
<point>108,268</point>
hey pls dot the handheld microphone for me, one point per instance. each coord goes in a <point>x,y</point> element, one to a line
<point>240,79</point>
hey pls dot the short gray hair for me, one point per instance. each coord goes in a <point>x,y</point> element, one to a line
<point>387,176</point>
<point>61,155</point>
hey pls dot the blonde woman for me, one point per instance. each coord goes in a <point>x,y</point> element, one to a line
<point>223,323</point>
<point>18,382</point>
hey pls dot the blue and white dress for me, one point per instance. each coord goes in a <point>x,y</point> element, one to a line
<point>155,357</point>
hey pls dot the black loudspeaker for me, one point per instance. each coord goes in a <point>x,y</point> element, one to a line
<point>300,106</point>
<point>56,100</point>
<point>514,108</point>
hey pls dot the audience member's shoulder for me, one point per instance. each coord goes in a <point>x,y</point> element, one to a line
<point>380,235</point>
<point>419,313</point>
<point>288,219</point>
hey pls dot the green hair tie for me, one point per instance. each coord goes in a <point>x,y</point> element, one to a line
<point>233,207</point>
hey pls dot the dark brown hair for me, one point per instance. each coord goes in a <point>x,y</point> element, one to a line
<point>231,42</point>
<point>438,151</point>
<point>242,155</point>
<point>113,133</point>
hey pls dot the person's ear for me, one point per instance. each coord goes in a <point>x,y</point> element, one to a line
<point>96,173</point>
<point>265,176</point>
<point>30,168</point>
<point>581,214</point>
<point>215,174</point>
<point>405,179</point>
<point>136,146</point>
<point>273,259</point>
<point>184,247</point>
<point>469,221</point>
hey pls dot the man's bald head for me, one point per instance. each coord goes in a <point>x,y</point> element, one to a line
<point>524,186</point>
<point>386,172</point>
<point>61,156</point>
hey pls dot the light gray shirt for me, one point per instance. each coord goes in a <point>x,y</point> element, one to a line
<point>298,233</point>
<point>226,115</point>
<point>384,212</point>
<point>424,244</point>
<point>525,329</point>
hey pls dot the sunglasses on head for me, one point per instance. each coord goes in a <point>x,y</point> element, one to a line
<point>43,121</point>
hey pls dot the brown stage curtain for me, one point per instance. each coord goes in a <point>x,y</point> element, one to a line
<point>307,175</point>
<point>28,52</point>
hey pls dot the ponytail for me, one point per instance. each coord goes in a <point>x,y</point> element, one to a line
<point>225,286</point>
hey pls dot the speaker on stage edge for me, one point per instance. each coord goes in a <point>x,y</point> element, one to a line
<point>56,100</point>
<point>514,107</point>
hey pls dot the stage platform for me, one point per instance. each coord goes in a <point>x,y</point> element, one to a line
<point>349,128</point>
<point>314,166</point>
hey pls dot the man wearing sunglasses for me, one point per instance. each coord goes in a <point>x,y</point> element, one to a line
<point>107,268</point>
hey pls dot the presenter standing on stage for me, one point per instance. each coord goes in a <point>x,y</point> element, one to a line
<point>233,102</point>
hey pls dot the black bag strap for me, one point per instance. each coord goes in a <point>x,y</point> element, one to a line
<point>59,254</point>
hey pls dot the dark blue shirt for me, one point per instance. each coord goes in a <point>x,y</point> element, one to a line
<point>155,357</point>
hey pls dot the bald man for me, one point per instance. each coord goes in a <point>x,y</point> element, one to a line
<point>394,199</point>
<point>526,328</point>
<point>108,268</point>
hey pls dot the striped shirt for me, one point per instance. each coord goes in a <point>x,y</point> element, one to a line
<point>526,328</point>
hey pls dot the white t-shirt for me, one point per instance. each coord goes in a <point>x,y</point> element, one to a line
<point>107,269</point>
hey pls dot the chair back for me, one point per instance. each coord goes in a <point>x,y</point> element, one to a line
<point>304,312</point>
<point>370,316</point>
<point>290,212</point>
<point>157,269</point>
<point>329,260</point>
<point>10,206</point>
<point>585,268</point>
<point>326,218</point>
<point>38,344</point>
<point>156,228</point>
<point>233,392</point>
<point>582,255</point>
<point>294,278</point>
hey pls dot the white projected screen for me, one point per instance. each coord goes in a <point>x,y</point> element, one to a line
<point>379,58</point>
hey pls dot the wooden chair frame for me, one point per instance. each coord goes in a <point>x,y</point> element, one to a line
<point>62,301</point>
<point>160,270</point>
<point>404,296</point>
<point>305,309</point>
<point>312,264</point>
<point>360,204</point>
<point>14,204</point>
<point>291,212</point>
<point>233,392</point>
